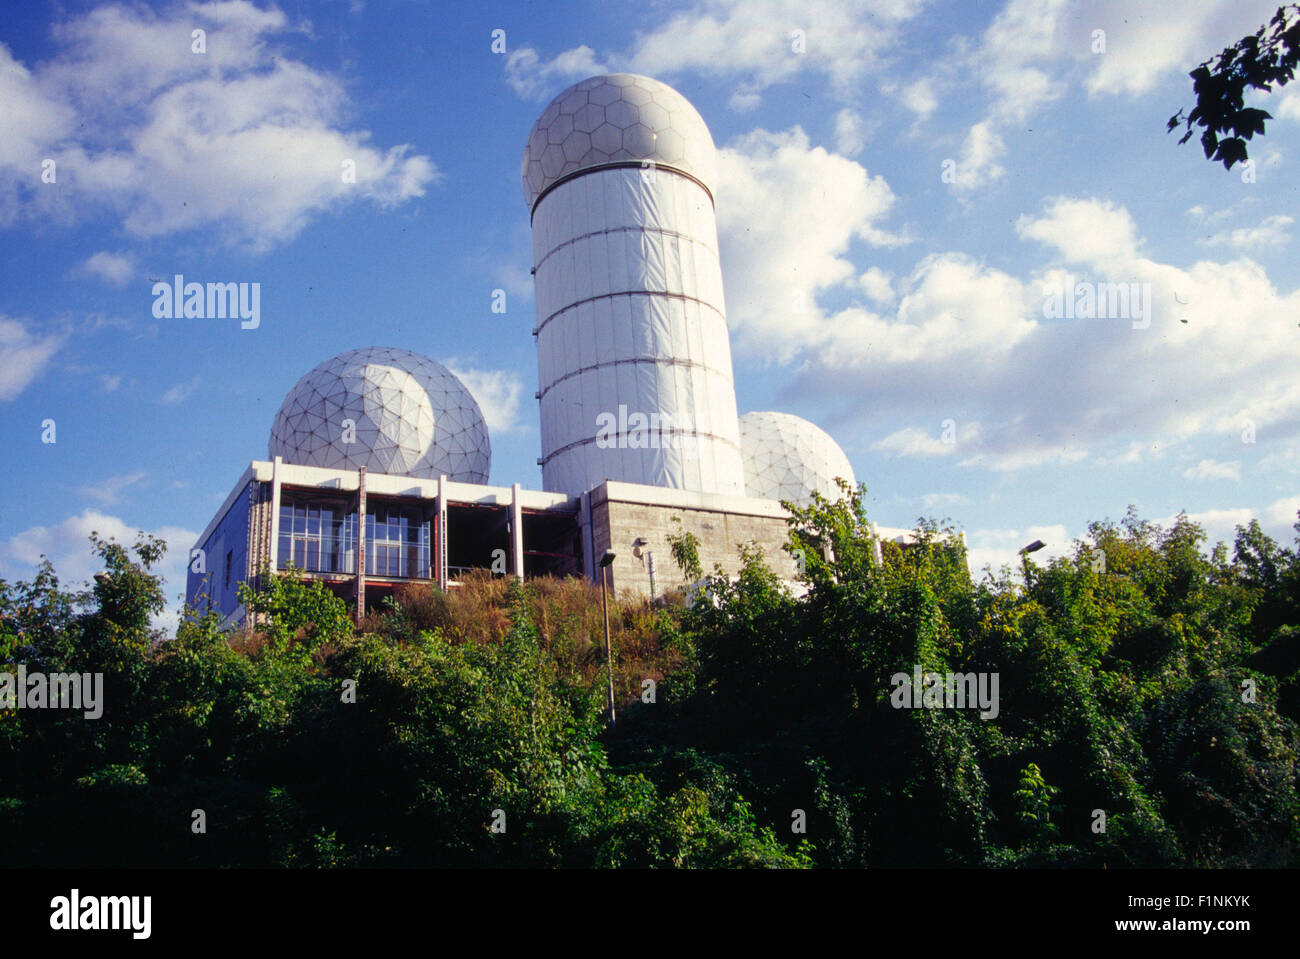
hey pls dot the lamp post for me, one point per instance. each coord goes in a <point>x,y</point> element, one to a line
<point>1033,547</point>
<point>605,562</point>
<point>647,559</point>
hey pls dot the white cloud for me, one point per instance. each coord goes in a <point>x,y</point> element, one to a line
<point>241,137</point>
<point>919,97</point>
<point>788,214</point>
<point>950,307</point>
<point>1210,217</point>
<point>1088,232</point>
<point>1009,456</point>
<point>979,165</point>
<point>30,123</point>
<point>1001,547</point>
<point>179,393</point>
<point>1282,513</point>
<point>1288,107</point>
<point>1270,233</point>
<point>532,77</point>
<point>933,500</point>
<point>1276,519</point>
<point>744,99</point>
<point>517,282</point>
<point>849,136</point>
<point>1015,61</point>
<point>114,268</point>
<point>498,393</point>
<point>998,547</point>
<point>749,42</point>
<point>1132,454</point>
<point>1022,39</point>
<point>1214,470</point>
<point>1166,39</point>
<point>972,343</point>
<point>877,284</point>
<point>1034,50</point>
<point>910,441</point>
<point>23,356</point>
<point>109,491</point>
<point>67,545</point>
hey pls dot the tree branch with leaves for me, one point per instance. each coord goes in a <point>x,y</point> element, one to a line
<point>1260,61</point>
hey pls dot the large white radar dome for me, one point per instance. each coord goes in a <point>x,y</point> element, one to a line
<point>617,119</point>
<point>788,458</point>
<point>391,411</point>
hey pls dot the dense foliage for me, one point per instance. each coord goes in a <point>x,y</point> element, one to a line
<point>1147,715</point>
<point>1260,61</point>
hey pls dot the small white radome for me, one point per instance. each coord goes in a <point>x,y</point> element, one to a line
<point>788,458</point>
<point>389,410</point>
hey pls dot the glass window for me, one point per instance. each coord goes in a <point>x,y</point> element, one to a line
<point>322,538</point>
<point>314,537</point>
<point>396,544</point>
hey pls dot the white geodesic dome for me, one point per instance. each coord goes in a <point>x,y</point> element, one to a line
<point>620,118</point>
<point>389,410</point>
<point>786,457</point>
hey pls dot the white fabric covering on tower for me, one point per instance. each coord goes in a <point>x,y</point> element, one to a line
<point>631,323</point>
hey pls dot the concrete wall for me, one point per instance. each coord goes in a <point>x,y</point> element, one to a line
<point>621,513</point>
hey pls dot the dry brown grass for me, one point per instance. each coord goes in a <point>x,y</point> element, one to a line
<point>567,614</point>
<point>248,640</point>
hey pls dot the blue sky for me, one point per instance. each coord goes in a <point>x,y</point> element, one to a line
<point>900,184</point>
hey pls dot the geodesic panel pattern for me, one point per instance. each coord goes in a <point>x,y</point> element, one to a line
<point>613,119</point>
<point>389,410</point>
<point>786,457</point>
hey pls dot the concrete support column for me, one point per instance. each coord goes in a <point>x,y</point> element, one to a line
<point>274,545</point>
<point>442,532</point>
<point>516,533</point>
<point>588,544</point>
<point>258,529</point>
<point>361,543</point>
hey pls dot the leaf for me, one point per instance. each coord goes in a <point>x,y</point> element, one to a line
<point>1251,121</point>
<point>1232,150</point>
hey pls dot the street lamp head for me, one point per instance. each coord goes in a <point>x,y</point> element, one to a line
<point>1033,547</point>
<point>607,559</point>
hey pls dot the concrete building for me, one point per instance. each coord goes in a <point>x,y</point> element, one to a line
<point>378,460</point>
<point>420,530</point>
<point>416,530</point>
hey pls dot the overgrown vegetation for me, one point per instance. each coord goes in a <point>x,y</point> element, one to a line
<point>1158,697</point>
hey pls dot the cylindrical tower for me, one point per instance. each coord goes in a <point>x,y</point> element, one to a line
<point>634,362</point>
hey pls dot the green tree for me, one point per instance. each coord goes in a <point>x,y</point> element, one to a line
<point>685,548</point>
<point>1259,61</point>
<point>297,616</point>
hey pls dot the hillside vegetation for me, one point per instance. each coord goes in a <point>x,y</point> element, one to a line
<point>1147,716</point>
